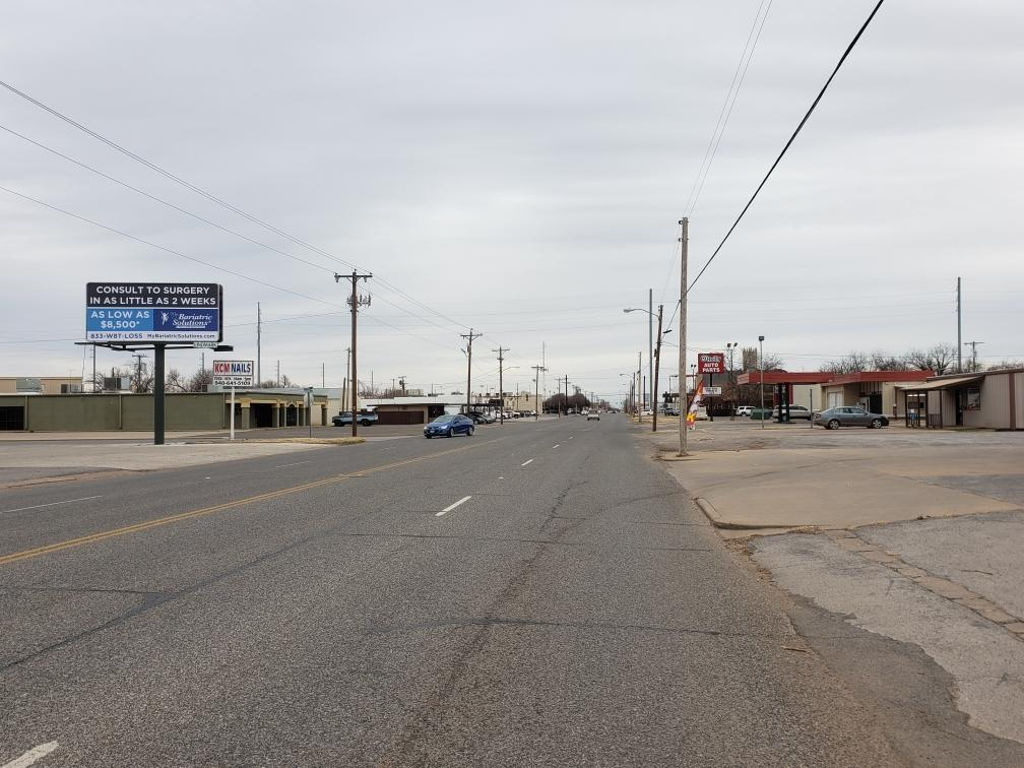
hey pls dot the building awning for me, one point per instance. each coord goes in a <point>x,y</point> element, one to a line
<point>950,383</point>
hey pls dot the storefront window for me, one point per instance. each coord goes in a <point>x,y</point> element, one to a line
<point>973,400</point>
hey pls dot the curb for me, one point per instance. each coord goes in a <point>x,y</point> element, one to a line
<point>307,440</point>
<point>716,520</point>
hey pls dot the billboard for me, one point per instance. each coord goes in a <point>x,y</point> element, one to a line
<point>234,373</point>
<point>711,362</point>
<point>141,312</point>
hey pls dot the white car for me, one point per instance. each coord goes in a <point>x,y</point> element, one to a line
<point>593,416</point>
<point>744,410</point>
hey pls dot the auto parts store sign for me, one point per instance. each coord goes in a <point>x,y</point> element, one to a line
<point>176,312</point>
<point>711,362</point>
<point>233,373</point>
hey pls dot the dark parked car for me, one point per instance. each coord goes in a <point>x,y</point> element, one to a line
<point>850,416</point>
<point>449,426</point>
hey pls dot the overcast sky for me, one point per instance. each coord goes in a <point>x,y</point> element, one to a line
<point>518,169</point>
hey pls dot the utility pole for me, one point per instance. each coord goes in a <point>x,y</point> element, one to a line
<point>259,349</point>
<point>974,354</point>
<point>323,375</point>
<point>536,390</point>
<point>501,382</point>
<point>959,338</point>
<point>650,344</point>
<point>566,395</point>
<point>139,357</point>
<point>684,242</point>
<point>469,366</point>
<point>355,301</point>
<point>657,370</point>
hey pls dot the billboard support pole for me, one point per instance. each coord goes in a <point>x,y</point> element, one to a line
<point>231,421</point>
<point>158,394</point>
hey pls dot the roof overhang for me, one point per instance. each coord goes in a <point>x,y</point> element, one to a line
<point>950,383</point>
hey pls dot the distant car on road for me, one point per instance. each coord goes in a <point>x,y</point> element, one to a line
<point>365,418</point>
<point>449,425</point>
<point>593,415</point>
<point>850,416</point>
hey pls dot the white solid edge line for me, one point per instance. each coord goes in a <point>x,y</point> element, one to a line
<point>51,504</point>
<point>528,461</point>
<point>34,754</point>
<point>448,509</point>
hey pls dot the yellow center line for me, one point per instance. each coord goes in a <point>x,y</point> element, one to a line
<point>91,538</point>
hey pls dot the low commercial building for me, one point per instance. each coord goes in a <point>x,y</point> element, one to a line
<point>42,385</point>
<point>874,391</point>
<point>410,410</point>
<point>991,399</point>
<point>254,408</point>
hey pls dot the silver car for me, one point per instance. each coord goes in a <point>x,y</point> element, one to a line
<point>850,416</point>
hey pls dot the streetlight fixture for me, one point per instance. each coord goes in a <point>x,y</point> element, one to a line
<point>760,367</point>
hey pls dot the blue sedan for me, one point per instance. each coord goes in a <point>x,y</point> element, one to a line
<point>449,426</point>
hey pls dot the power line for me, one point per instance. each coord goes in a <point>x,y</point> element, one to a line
<point>727,107</point>
<point>213,198</point>
<point>196,216</point>
<point>789,143</point>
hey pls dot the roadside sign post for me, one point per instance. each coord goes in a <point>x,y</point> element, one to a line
<point>811,391</point>
<point>309,409</point>
<point>711,363</point>
<point>233,373</point>
<point>158,393</point>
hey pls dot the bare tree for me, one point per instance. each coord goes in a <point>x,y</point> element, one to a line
<point>1005,365</point>
<point>851,363</point>
<point>174,381</point>
<point>200,380</point>
<point>939,358</point>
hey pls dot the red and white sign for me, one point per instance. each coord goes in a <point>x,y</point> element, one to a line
<point>233,373</point>
<point>711,362</point>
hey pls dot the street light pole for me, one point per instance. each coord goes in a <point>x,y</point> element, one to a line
<point>760,367</point>
<point>536,390</point>
<point>657,370</point>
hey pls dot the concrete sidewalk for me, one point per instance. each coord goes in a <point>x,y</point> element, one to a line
<point>37,462</point>
<point>744,477</point>
<point>902,534</point>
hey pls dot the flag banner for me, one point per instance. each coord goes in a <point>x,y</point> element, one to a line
<point>691,413</point>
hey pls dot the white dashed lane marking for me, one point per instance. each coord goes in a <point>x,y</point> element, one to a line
<point>34,754</point>
<point>528,461</point>
<point>51,504</point>
<point>448,509</point>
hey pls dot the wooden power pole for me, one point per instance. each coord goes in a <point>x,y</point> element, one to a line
<point>355,301</point>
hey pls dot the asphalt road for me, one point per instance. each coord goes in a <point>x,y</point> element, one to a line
<point>571,608</point>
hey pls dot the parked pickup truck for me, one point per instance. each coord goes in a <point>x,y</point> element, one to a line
<point>365,418</point>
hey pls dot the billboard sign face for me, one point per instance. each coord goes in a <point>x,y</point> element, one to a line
<point>713,391</point>
<point>234,373</point>
<point>141,312</point>
<point>711,362</point>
